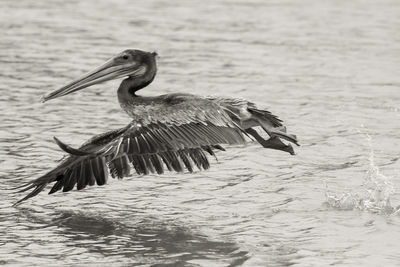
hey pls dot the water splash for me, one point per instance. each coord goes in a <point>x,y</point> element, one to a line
<point>372,196</point>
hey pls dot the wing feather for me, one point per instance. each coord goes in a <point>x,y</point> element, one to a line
<point>57,186</point>
<point>157,163</point>
<point>82,179</point>
<point>70,178</point>
<point>103,173</point>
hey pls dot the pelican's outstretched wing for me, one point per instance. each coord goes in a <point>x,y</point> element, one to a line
<point>176,141</point>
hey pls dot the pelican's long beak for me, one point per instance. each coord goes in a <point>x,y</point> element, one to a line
<point>108,71</point>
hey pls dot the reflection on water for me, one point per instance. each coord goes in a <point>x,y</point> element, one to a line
<point>145,240</point>
<point>329,69</point>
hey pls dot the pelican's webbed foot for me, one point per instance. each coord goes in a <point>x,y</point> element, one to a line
<point>273,142</point>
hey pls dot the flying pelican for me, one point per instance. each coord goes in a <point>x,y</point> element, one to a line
<point>172,131</point>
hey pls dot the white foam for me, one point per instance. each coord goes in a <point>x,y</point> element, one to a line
<point>373,195</point>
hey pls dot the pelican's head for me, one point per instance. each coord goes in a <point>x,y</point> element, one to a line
<point>130,63</point>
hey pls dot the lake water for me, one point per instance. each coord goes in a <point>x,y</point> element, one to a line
<point>329,69</point>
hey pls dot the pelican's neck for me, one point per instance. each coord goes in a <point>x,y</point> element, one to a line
<point>129,86</point>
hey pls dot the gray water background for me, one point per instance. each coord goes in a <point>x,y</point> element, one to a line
<point>329,69</point>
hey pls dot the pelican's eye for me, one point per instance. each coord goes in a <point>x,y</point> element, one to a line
<point>125,57</point>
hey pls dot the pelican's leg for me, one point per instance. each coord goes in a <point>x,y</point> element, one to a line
<point>273,142</point>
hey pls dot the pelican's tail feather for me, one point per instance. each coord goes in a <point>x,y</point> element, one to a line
<point>265,115</point>
<point>272,125</point>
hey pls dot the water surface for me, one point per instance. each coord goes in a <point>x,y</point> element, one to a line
<point>329,69</point>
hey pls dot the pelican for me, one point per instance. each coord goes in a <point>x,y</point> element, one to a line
<point>172,131</point>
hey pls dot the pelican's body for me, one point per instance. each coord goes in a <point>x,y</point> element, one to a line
<point>173,131</point>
